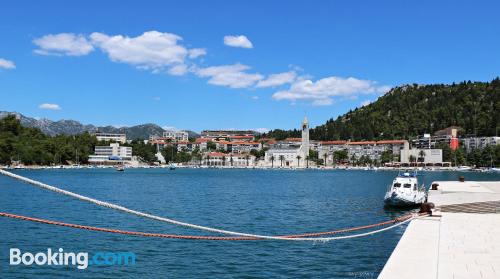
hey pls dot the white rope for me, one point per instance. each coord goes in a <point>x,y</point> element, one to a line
<point>175,222</point>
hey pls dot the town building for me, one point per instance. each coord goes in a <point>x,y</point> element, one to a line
<point>471,143</point>
<point>448,136</point>
<point>358,149</point>
<point>229,160</point>
<point>291,153</point>
<point>237,147</point>
<point>176,135</point>
<point>112,154</point>
<point>422,156</point>
<point>229,134</point>
<point>121,138</point>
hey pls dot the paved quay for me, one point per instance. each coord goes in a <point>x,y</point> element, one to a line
<point>461,240</point>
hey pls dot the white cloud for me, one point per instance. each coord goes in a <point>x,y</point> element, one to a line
<point>277,79</point>
<point>178,70</point>
<point>49,106</point>
<point>255,97</point>
<point>197,52</point>
<point>152,50</point>
<point>233,76</point>
<point>322,102</point>
<point>63,44</point>
<point>322,91</point>
<point>7,64</point>
<point>238,41</point>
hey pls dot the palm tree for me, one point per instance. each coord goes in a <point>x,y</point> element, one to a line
<point>298,160</point>
<point>231,160</point>
<point>281,159</point>
<point>307,161</point>
<point>272,161</point>
<point>421,156</point>
<point>247,157</point>
<point>223,160</point>
<point>412,159</point>
<point>324,159</point>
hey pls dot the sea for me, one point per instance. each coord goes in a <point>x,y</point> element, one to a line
<point>271,202</point>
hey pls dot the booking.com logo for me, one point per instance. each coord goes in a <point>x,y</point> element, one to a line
<point>61,258</point>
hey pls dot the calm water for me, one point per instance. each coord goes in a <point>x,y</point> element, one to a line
<point>256,201</point>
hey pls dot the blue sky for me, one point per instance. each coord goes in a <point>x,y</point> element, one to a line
<point>233,64</point>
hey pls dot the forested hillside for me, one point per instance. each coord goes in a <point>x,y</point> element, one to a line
<point>412,110</point>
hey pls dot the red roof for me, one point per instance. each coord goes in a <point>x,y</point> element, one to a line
<point>361,142</point>
<point>200,140</point>
<point>216,154</point>
<point>334,142</point>
<point>241,137</point>
<point>391,141</point>
<point>293,139</point>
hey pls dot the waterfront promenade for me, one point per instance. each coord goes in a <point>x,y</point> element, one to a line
<point>461,240</point>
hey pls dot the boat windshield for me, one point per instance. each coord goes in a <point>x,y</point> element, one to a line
<point>406,185</point>
<point>397,185</point>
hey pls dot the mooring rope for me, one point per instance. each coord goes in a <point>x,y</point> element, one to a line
<point>242,236</point>
<point>192,237</point>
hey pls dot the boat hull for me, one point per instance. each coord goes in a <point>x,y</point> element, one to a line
<point>403,201</point>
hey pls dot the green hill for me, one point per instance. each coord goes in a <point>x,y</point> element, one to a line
<point>411,110</point>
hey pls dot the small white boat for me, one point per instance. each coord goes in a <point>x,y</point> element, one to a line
<point>405,191</point>
<point>172,166</point>
<point>464,168</point>
<point>120,168</point>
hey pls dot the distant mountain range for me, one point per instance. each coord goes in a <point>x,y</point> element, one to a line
<point>72,127</point>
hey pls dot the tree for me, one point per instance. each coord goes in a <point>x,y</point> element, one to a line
<point>211,146</point>
<point>386,157</point>
<point>169,152</point>
<point>247,157</point>
<point>272,161</point>
<point>421,156</point>
<point>341,155</point>
<point>307,161</point>
<point>298,160</point>
<point>282,158</point>
<point>325,155</point>
<point>412,159</point>
<point>231,160</point>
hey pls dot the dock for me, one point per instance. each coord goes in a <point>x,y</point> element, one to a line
<point>460,240</point>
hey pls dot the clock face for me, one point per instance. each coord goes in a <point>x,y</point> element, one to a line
<point>304,127</point>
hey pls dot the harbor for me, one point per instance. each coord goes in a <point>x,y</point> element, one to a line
<point>460,240</point>
<point>248,200</point>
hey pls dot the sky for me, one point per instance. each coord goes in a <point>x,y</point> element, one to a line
<point>233,64</point>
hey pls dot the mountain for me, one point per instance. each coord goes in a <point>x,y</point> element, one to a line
<point>142,131</point>
<point>71,127</point>
<point>411,110</point>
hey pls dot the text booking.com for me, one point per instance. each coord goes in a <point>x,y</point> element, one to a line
<point>81,260</point>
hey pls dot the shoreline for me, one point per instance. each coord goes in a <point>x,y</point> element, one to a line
<point>429,169</point>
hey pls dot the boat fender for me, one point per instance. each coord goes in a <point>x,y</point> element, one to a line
<point>426,207</point>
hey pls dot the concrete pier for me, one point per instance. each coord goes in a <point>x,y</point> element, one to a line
<point>461,240</point>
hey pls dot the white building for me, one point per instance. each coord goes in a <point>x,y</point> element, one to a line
<point>228,160</point>
<point>472,143</point>
<point>290,156</point>
<point>425,156</point>
<point>176,135</point>
<point>111,154</point>
<point>121,138</point>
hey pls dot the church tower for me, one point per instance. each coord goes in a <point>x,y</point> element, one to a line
<point>305,138</point>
